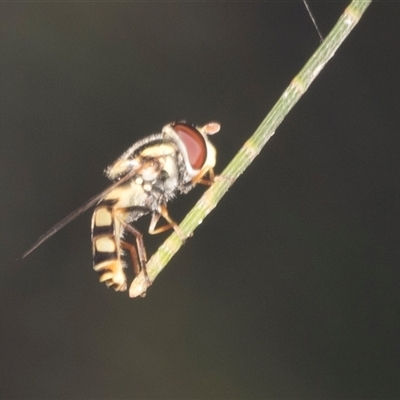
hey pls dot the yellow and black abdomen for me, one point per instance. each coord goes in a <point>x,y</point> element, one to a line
<point>106,249</point>
<point>123,204</point>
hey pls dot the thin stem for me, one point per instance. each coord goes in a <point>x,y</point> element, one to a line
<point>254,144</point>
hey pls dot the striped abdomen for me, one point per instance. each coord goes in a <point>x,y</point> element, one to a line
<point>106,248</point>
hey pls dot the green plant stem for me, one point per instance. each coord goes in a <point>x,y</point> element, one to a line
<point>255,143</point>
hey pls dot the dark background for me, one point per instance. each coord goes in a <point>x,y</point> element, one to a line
<point>290,289</point>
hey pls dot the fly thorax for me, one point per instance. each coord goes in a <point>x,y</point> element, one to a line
<point>151,172</point>
<point>169,176</point>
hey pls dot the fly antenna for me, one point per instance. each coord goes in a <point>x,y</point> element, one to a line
<point>321,39</point>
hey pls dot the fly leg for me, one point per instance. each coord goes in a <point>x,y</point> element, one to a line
<point>200,177</point>
<point>141,251</point>
<point>208,181</point>
<point>134,256</point>
<point>211,178</point>
<point>171,223</point>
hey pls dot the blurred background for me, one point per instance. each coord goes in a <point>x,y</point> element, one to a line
<point>290,289</point>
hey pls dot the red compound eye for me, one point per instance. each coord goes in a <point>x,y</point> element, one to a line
<point>194,143</point>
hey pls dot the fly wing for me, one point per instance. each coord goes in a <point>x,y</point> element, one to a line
<point>82,209</point>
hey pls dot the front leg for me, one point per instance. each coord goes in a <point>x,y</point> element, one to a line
<point>171,223</point>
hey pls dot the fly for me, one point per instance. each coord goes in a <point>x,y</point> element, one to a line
<point>148,175</point>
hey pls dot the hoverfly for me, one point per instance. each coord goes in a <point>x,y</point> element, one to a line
<point>148,175</point>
